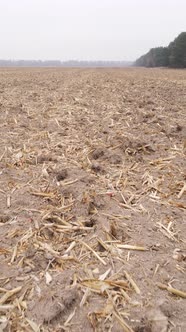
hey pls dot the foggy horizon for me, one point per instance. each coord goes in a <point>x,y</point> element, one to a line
<point>87,30</point>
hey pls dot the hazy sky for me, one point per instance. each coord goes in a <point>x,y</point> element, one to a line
<point>87,29</point>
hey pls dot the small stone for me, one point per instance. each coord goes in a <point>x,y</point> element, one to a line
<point>48,256</point>
<point>27,269</point>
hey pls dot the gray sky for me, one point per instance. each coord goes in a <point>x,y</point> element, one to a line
<point>87,29</point>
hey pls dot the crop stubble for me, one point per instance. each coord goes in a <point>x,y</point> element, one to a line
<point>92,200</point>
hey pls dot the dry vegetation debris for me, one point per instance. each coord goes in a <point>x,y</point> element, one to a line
<point>92,200</point>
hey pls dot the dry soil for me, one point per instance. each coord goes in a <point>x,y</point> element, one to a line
<point>92,200</point>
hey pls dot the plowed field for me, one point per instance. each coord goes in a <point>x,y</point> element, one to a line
<point>92,200</point>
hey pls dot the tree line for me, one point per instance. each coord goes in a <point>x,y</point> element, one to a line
<point>58,63</point>
<point>174,55</point>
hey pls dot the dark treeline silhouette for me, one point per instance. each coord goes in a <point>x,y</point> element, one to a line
<point>173,55</point>
<point>58,63</point>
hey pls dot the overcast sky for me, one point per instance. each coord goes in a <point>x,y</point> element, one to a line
<point>87,29</point>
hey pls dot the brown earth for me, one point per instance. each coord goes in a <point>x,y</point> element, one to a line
<point>92,200</point>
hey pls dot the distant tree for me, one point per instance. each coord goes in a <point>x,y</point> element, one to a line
<point>172,56</point>
<point>177,51</point>
<point>156,57</point>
